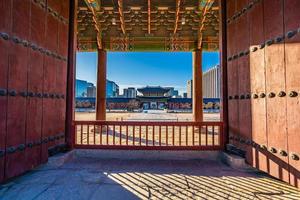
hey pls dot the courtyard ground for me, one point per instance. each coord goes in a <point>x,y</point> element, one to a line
<point>123,179</point>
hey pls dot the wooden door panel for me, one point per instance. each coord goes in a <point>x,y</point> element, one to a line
<point>257,79</point>
<point>292,64</point>
<point>275,83</point>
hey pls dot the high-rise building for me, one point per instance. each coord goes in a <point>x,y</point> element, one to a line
<point>81,88</point>
<point>211,83</point>
<point>129,92</point>
<point>184,95</point>
<point>189,89</point>
<point>175,93</point>
<point>91,91</point>
<point>112,89</point>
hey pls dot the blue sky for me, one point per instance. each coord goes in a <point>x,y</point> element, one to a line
<point>140,69</point>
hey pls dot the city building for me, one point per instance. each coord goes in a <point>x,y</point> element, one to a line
<point>175,93</point>
<point>129,92</point>
<point>184,95</point>
<point>189,88</point>
<point>81,87</point>
<point>211,82</point>
<point>112,89</point>
<point>91,91</point>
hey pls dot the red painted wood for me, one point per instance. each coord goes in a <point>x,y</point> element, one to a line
<point>5,15</point>
<point>232,72</point>
<point>223,62</point>
<point>16,111</point>
<point>35,85</point>
<point>51,29</point>
<point>275,82</point>
<point>257,73</point>
<point>34,109</point>
<point>71,72</point>
<point>55,5</point>
<point>292,66</point>
<point>49,114</point>
<point>244,80</point>
<point>63,34</point>
<point>17,80</point>
<point>3,101</point>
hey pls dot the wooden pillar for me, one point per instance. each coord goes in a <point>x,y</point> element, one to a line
<point>197,86</point>
<point>223,62</point>
<point>101,86</point>
<point>71,71</point>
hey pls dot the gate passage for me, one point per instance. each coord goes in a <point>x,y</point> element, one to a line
<point>149,135</point>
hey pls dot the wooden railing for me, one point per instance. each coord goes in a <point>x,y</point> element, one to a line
<point>141,135</point>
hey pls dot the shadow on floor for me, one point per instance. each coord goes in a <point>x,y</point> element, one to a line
<point>86,178</point>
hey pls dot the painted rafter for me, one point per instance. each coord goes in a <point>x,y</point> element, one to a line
<point>121,13</point>
<point>94,6</point>
<point>206,9</point>
<point>178,2</point>
<point>149,16</point>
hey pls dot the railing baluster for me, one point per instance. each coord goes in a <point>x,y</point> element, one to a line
<point>94,134</point>
<point>213,135</point>
<point>179,135</point>
<point>147,135</point>
<point>206,135</point>
<point>133,134</point>
<point>100,134</point>
<point>167,135</point>
<point>193,135</point>
<point>173,135</point>
<point>107,141</point>
<point>88,134</point>
<point>186,136</point>
<point>200,135</point>
<point>114,134</point>
<point>159,134</point>
<point>153,135</point>
<point>81,134</point>
<point>140,135</point>
<point>120,135</point>
<point>76,134</point>
<point>126,134</point>
<point>210,134</point>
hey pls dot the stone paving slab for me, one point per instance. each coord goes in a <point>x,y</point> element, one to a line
<point>96,179</point>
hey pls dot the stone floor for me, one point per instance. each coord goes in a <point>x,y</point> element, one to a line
<point>86,178</point>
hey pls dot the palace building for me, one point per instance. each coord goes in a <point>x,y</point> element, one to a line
<point>154,97</point>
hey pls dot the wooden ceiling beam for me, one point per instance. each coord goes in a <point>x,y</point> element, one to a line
<point>149,16</point>
<point>94,6</point>
<point>121,13</point>
<point>206,8</point>
<point>178,2</point>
